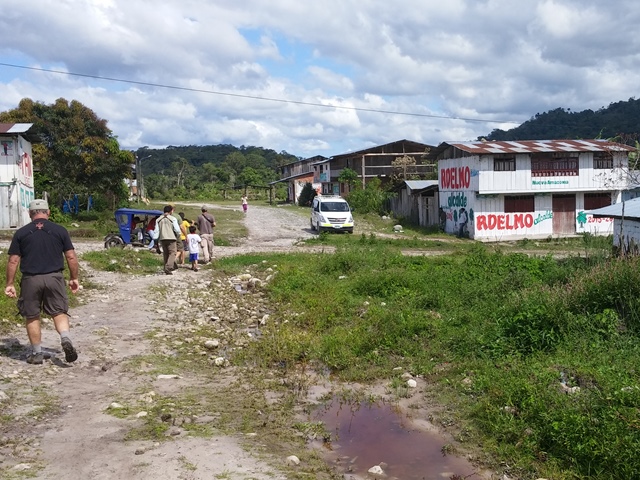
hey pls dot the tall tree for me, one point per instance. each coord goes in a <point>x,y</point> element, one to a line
<point>78,153</point>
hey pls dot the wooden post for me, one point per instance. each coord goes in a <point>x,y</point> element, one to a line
<point>363,179</point>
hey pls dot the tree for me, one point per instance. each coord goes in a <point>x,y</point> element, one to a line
<point>78,153</point>
<point>307,195</point>
<point>348,176</point>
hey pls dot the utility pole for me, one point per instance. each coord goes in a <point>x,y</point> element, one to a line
<point>139,179</point>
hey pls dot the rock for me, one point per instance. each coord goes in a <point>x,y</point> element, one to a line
<point>214,318</point>
<point>21,467</point>
<point>3,396</point>
<point>263,320</point>
<point>397,228</point>
<point>116,406</point>
<point>406,375</point>
<point>376,470</point>
<point>411,383</point>
<point>293,460</point>
<point>168,377</point>
<point>212,344</point>
<point>141,414</point>
<point>219,362</point>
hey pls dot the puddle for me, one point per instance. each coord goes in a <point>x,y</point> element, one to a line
<point>364,435</point>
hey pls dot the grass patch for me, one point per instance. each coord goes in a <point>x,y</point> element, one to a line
<point>136,261</point>
<point>536,358</point>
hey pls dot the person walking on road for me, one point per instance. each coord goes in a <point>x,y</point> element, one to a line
<point>38,248</point>
<point>206,222</point>
<point>245,203</point>
<point>168,232</point>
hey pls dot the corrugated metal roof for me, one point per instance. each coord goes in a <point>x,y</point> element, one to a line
<point>420,184</point>
<point>15,127</point>
<point>536,146</point>
<point>631,210</point>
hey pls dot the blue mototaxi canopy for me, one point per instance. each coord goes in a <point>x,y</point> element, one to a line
<point>124,216</point>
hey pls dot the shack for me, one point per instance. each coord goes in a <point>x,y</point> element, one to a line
<point>626,224</point>
<point>16,174</point>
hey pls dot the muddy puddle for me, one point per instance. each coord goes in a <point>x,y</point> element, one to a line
<point>366,435</point>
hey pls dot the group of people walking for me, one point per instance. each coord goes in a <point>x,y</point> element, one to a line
<point>179,236</point>
<point>40,248</point>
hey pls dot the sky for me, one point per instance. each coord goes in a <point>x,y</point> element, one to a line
<point>317,78</point>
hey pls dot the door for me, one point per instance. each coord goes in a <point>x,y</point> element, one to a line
<point>564,214</point>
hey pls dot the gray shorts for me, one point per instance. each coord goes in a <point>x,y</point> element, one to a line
<point>43,292</point>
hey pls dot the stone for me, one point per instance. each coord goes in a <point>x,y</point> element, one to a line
<point>397,228</point>
<point>219,362</point>
<point>411,383</point>
<point>293,460</point>
<point>376,470</point>
<point>141,414</point>
<point>168,377</point>
<point>116,406</point>
<point>3,396</point>
<point>212,344</point>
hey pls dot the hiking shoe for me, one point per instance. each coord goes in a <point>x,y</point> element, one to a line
<point>35,358</point>
<point>70,354</point>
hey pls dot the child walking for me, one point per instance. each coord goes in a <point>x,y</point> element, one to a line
<point>193,240</point>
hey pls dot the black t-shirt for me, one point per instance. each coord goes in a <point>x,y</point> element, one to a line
<point>41,245</point>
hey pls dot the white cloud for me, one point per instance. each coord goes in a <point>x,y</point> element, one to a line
<point>492,59</point>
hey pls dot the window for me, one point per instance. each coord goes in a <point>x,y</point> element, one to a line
<point>596,200</point>
<point>602,160</point>
<point>519,203</point>
<point>556,166</point>
<point>507,164</point>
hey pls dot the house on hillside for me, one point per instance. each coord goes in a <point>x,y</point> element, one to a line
<point>626,224</point>
<point>297,174</point>
<point>510,190</point>
<point>374,162</point>
<point>16,174</point>
<point>417,201</point>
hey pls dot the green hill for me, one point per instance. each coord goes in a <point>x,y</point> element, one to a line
<point>620,119</point>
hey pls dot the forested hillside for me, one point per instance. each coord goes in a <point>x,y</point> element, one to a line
<point>618,119</point>
<point>185,171</point>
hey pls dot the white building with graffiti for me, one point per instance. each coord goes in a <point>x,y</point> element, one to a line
<point>510,190</point>
<point>16,175</point>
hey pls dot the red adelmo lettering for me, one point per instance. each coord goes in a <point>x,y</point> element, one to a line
<point>455,178</point>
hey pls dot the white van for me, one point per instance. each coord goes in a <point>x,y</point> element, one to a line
<point>331,212</point>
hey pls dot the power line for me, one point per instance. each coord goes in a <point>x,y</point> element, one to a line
<point>253,97</point>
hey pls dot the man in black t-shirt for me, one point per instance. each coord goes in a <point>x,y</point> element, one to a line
<point>38,248</point>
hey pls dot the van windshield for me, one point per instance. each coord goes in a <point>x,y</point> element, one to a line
<point>334,207</point>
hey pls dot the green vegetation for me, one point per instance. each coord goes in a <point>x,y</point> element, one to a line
<point>536,359</point>
<point>618,119</point>
<point>212,171</point>
<point>77,152</point>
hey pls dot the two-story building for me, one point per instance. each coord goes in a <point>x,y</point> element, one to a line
<point>375,162</point>
<point>512,190</point>
<point>297,174</point>
<point>16,174</point>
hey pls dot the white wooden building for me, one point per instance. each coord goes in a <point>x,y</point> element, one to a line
<point>512,190</point>
<point>417,202</point>
<point>16,175</point>
<point>626,224</point>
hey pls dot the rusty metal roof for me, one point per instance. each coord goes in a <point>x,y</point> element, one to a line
<point>536,146</point>
<point>15,127</point>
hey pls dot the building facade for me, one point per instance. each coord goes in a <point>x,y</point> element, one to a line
<point>512,190</point>
<point>381,161</point>
<point>297,174</point>
<point>16,175</point>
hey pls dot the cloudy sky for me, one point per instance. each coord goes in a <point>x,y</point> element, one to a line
<point>321,77</point>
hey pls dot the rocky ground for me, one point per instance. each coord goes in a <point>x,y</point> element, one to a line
<point>113,414</point>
